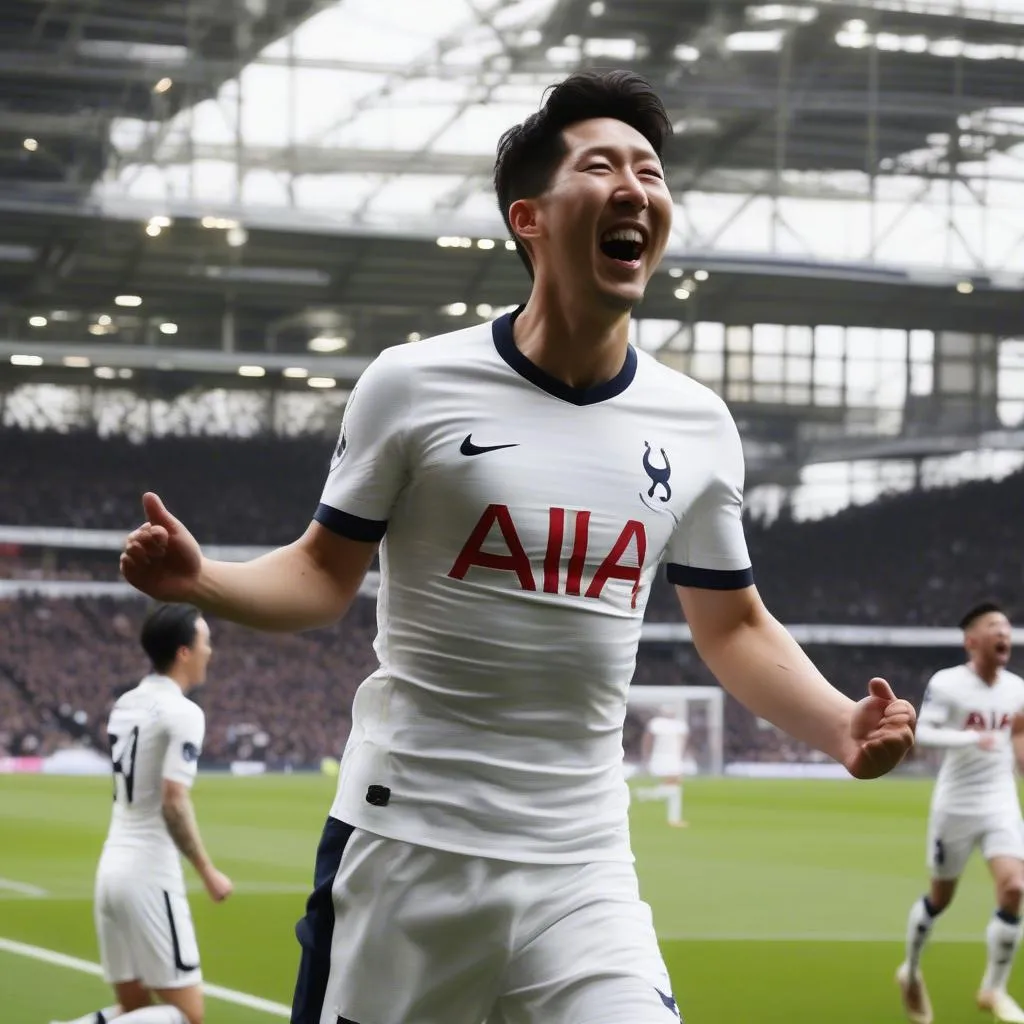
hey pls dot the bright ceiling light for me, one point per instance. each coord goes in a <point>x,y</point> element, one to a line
<point>701,275</point>
<point>163,85</point>
<point>153,230</point>
<point>18,360</point>
<point>455,309</point>
<point>168,328</point>
<point>675,272</point>
<point>77,362</point>
<point>321,382</point>
<point>104,320</point>
<point>31,145</point>
<point>296,372</point>
<point>484,310</point>
<point>128,300</point>
<point>965,287</point>
<point>328,343</point>
<point>681,293</point>
<point>510,245</point>
<point>251,371</point>
<point>485,243</point>
<point>37,321</point>
<point>105,372</point>
<point>415,336</point>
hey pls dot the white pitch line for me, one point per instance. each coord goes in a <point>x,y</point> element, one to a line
<point>22,887</point>
<point>73,963</point>
<point>869,937</point>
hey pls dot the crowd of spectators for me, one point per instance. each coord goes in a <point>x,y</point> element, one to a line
<point>914,559</point>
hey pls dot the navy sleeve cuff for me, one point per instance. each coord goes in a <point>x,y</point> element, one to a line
<point>352,527</point>
<point>709,579</point>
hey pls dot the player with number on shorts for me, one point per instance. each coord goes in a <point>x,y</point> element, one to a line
<point>147,941</point>
<point>975,712</point>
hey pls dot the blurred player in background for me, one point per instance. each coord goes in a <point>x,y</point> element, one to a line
<point>975,712</point>
<point>143,921</point>
<point>663,754</point>
<point>526,476</point>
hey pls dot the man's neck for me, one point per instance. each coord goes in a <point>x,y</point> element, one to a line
<point>985,672</point>
<point>582,344</point>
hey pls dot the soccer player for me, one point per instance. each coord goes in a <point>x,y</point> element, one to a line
<point>973,712</point>
<point>147,941</point>
<point>664,756</point>
<point>526,477</point>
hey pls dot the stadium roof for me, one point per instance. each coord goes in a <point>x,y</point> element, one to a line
<point>835,162</point>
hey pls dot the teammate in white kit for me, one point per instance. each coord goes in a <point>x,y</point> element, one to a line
<point>664,757</point>
<point>526,478</point>
<point>976,713</point>
<point>143,922</point>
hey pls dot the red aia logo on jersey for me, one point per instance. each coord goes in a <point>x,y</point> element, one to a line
<point>516,561</point>
<point>988,721</point>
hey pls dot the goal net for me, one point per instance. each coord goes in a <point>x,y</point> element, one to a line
<point>674,727</point>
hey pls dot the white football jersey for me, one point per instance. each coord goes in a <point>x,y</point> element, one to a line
<point>958,707</point>
<point>523,521</point>
<point>155,733</point>
<point>668,745</point>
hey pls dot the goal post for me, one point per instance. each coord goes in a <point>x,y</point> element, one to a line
<point>702,708</point>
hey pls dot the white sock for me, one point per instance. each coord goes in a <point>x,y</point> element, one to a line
<point>1002,936</point>
<point>674,798</point>
<point>98,1016</point>
<point>919,926</point>
<point>154,1015</point>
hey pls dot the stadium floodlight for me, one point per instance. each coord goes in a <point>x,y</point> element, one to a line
<point>31,145</point>
<point>169,328</point>
<point>701,275</point>
<point>415,336</point>
<point>153,230</point>
<point>105,372</point>
<point>965,287</point>
<point>128,300</point>
<point>675,272</point>
<point>755,42</point>
<point>37,321</point>
<point>455,309</point>
<point>596,8</point>
<point>251,371</point>
<point>104,320</point>
<point>510,245</point>
<point>20,360</point>
<point>77,362</point>
<point>328,343</point>
<point>163,85</point>
<point>682,293</point>
<point>321,382</point>
<point>484,310</point>
<point>485,243</point>
<point>296,372</point>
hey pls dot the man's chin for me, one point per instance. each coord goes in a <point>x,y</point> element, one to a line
<point>622,298</point>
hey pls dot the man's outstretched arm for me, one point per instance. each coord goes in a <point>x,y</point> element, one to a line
<point>757,661</point>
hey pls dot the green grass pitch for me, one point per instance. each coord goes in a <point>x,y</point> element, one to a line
<point>783,902</point>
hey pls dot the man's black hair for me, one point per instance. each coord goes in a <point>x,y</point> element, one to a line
<point>167,629</point>
<point>975,613</point>
<point>529,153</point>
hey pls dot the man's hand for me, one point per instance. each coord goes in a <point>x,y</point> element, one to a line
<point>882,730</point>
<point>218,885</point>
<point>161,558</point>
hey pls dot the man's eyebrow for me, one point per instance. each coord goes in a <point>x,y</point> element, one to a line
<point>602,149</point>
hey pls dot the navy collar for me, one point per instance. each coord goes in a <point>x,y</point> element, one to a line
<point>504,342</point>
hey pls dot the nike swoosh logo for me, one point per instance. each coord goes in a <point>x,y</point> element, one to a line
<point>468,448</point>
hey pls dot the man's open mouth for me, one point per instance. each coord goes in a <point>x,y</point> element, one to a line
<point>623,244</point>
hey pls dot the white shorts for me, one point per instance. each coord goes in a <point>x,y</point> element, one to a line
<point>667,769</point>
<point>398,933</point>
<point>145,933</point>
<point>952,838</point>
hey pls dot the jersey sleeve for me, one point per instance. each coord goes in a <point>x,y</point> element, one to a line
<point>935,706</point>
<point>708,549</point>
<point>369,466</point>
<point>186,731</point>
